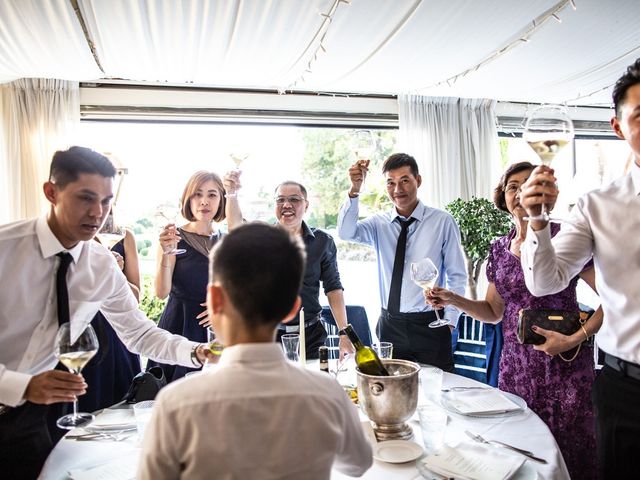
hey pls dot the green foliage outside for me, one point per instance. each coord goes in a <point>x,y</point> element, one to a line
<point>326,162</point>
<point>480,224</point>
<point>149,303</point>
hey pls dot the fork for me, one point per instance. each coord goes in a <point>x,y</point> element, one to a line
<point>456,389</point>
<point>521,451</point>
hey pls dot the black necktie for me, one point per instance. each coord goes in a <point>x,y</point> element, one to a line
<point>393,305</point>
<point>61,287</point>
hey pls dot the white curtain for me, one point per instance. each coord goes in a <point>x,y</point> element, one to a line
<point>38,117</point>
<point>455,142</point>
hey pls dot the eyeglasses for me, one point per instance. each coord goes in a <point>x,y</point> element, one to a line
<point>294,200</point>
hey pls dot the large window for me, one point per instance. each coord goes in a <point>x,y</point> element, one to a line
<point>160,157</point>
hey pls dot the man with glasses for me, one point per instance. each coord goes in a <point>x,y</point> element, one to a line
<point>291,205</point>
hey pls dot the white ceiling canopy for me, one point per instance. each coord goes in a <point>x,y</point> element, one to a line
<point>533,51</point>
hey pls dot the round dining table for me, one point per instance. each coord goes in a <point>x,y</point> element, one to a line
<point>114,457</point>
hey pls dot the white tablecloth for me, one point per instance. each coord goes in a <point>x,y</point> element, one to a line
<point>524,430</point>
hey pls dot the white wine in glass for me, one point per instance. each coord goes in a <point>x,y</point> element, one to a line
<point>548,129</point>
<point>424,274</point>
<point>238,158</point>
<point>363,144</point>
<point>169,213</point>
<point>110,233</point>
<point>75,353</point>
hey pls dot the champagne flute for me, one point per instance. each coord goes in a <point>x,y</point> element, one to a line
<point>424,274</point>
<point>548,129</point>
<point>110,234</point>
<point>74,351</point>
<point>238,158</point>
<point>169,213</point>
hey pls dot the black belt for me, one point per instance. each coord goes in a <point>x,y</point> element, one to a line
<point>629,369</point>
<point>412,316</point>
<point>295,327</point>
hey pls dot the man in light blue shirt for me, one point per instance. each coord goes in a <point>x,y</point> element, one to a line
<point>430,233</point>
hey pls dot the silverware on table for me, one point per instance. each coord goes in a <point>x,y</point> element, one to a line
<point>458,389</point>
<point>521,451</point>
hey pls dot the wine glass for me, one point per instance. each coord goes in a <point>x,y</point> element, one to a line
<point>424,274</point>
<point>110,233</point>
<point>547,131</point>
<point>169,213</point>
<point>74,350</point>
<point>238,158</point>
<point>363,144</point>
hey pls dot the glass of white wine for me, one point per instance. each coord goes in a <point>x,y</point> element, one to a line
<point>110,233</point>
<point>424,274</point>
<point>169,213</point>
<point>548,129</point>
<point>238,158</point>
<point>74,351</point>
<point>363,144</point>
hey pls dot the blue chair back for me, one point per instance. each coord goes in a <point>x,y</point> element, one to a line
<point>356,316</point>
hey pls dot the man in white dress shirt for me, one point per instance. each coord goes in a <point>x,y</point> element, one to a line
<point>255,415</point>
<point>604,224</point>
<point>80,190</point>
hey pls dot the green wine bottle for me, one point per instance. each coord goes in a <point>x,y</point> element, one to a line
<point>367,359</point>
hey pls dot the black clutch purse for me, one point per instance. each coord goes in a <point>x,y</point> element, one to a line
<point>561,321</point>
<point>145,385</point>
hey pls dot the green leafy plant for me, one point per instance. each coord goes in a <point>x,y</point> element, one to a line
<point>149,303</point>
<point>480,224</point>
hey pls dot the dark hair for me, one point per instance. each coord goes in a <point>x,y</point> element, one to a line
<point>195,182</point>
<point>630,78</point>
<point>296,184</point>
<point>498,192</point>
<point>67,165</point>
<point>398,160</point>
<point>261,268</point>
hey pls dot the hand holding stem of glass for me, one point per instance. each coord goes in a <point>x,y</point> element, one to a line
<point>75,353</point>
<point>169,213</point>
<point>548,129</point>
<point>424,274</point>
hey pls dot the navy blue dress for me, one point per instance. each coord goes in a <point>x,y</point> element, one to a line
<point>188,291</point>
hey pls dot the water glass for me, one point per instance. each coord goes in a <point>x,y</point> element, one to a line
<point>433,423</point>
<point>430,384</point>
<point>384,349</point>
<point>142,413</point>
<point>291,346</point>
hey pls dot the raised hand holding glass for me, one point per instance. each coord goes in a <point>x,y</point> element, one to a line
<point>169,213</point>
<point>424,274</point>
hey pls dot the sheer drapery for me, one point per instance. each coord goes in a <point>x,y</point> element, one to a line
<point>455,142</point>
<point>38,117</point>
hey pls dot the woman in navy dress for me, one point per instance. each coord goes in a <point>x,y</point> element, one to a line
<point>184,277</point>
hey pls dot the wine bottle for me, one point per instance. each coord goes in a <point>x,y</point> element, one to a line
<point>367,359</point>
<point>323,355</point>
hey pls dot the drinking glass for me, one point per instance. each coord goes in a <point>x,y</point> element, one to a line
<point>430,384</point>
<point>110,233</point>
<point>547,131</point>
<point>74,350</point>
<point>169,213</point>
<point>433,423</point>
<point>238,158</point>
<point>363,144</point>
<point>291,345</point>
<point>383,349</point>
<point>424,274</point>
<point>142,412</point>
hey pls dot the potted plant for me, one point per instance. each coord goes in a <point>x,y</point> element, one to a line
<point>480,223</point>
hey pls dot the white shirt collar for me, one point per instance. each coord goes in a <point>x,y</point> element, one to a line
<point>49,243</point>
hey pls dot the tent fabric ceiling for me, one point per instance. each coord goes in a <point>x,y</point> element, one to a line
<point>365,46</point>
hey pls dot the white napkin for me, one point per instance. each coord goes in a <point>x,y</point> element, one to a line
<point>481,402</point>
<point>123,468</point>
<point>470,461</point>
<point>114,418</point>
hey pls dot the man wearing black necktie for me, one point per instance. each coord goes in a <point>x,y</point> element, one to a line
<point>408,233</point>
<point>52,273</point>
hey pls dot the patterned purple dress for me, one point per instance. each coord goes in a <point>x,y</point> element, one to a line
<point>559,392</point>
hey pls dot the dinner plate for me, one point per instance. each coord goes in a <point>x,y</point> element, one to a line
<point>397,451</point>
<point>447,404</point>
<point>526,472</point>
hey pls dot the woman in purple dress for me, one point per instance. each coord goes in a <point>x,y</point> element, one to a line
<point>557,390</point>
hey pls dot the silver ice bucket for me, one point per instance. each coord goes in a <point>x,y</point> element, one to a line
<point>390,401</point>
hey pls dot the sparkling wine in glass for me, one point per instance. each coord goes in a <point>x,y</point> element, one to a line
<point>169,213</point>
<point>424,274</point>
<point>110,233</point>
<point>548,129</point>
<point>363,144</point>
<point>74,350</point>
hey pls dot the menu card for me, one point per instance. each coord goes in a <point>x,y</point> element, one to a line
<point>472,462</point>
<point>122,468</point>
<point>481,401</point>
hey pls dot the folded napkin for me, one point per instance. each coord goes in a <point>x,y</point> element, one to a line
<point>483,401</point>
<point>117,417</point>
<point>471,461</point>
